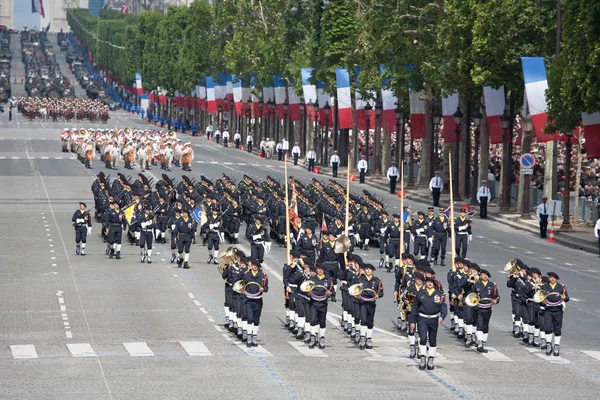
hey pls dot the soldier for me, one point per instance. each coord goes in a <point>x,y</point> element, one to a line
<point>162,220</point>
<point>296,153</point>
<point>311,156</point>
<point>407,298</point>
<point>380,230</point>
<point>463,234</point>
<point>330,259</point>
<point>516,282</point>
<point>553,314</point>
<point>483,197</point>
<point>249,143</point>
<point>257,283</point>
<point>392,234</point>
<point>146,221</point>
<point>225,137</point>
<point>488,296</point>
<point>213,224</point>
<point>308,243</point>
<point>429,310</point>
<point>184,231</point>
<point>439,234</point>
<point>318,306</point>
<point>419,232</point>
<point>82,222</point>
<point>365,228</point>
<point>362,167</point>
<point>116,226</point>
<point>292,276</point>
<point>257,235</point>
<point>372,291</point>
<point>334,162</point>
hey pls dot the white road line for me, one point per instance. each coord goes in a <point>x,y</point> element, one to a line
<point>63,308</point>
<point>203,311</point>
<point>494,355</point>
<point>373,353</point>
<point>241,163</point>
<point>58,158</point>
<point>69,335</point>
<point>44,158</point>
<point>195,348</point>
<point>81,350</point>
<point>2,158</point>
<point>228,163</point>
<point>15,158</point>
<point>593,354</point>
<point>214,162</point>
<point>23,351</point>
<point>210,319</point>
<point>256,165</point>
<point>61,300</point>
<point>191,295</point>
<point>555,360</point>
<point>138,349</point>
<point>196,302</point>
<point>200,162</point>
<point>305,351</point>
<point>574,299</point>
<point>258,351</point>
<point>569,264</point>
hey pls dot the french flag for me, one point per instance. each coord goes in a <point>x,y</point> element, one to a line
<point>417,114</point>
<point>389,103</point>
<point>536,84</point>
<point>309,91</point>
<point>294,102</point>
<point>279,88</point>
<point>37,6</point>
<point>253,90</point>
<point>221,90</point>
<point>229,95</point>
<point>449,106</point>
<point>210,95</point>
<point>138,83</point>
<point>201,93</point>
<point>323,98</point>
<point>361,117</point>
<point>238,98</point>
<point>494,108</point>
<point>344,99</point>
<point>591,131</point>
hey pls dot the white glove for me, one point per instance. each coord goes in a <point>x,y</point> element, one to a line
<point>430,240</point>
<point>80,220</point>
<point>89,229</point>
<point>462,227</point>
<point>412,237</point>
<point>213,226</point>
<point>470,238</point>
<point>256,237</point>
<point>382,230</point>
<point>173,227</point>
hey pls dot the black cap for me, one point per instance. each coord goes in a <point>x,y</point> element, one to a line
<point>467,263</point>
<point>554,274</point>
<point>295,253</point>
<point>458,259</point>
<point>429,209</point>
<point>535,270</point>
<point>419,275</point>
<point>430,278</point>
<point>384,212</point>
<point>396,215</point>
<point>441,210</point>
<point>485,271</point>
<point>369,266</point>
<point>420,213</point>
<point>324,233</point>
<point>186,210</point>
<point>81,202</point>
<point>475,267</point>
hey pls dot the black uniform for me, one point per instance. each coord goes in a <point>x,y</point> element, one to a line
<point>419,230</point>
<point>81,221</point>
<point>462,226</point>
<point>429,306</point>
<point>146,222</point>
<point>185,229</point>
<point>439,232</point>
<point>553,314</point>
<point>488,292</point>
<point>257,235</point>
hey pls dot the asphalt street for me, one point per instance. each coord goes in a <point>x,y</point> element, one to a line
<point>89,327</point>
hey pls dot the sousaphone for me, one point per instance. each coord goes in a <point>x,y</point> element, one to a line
<point>512,267</point>
<point>540,296</point>
<point>239,286</point>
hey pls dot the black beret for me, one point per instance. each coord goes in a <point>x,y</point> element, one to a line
<point>476,267</point>
<point>419,275</point>
<point>396,215</point>
<point>384,213</point>
<point>554,274</point>
<point>81,202</point>
<point>430,278</point>
<point>295,253</point>
<point>369,266</point>
<point>420,213</point>
<point>429,208</point>
<point>485,271</point>
<point>535,270</point>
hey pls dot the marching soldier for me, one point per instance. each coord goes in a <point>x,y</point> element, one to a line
<point>406,300</point>
<point>185,229</point>
<point>334,162</point>
<point>393,232</point>
<point>82,222</point>
<point>213,224</point>
<point>257,283</point>
<point>462,226</point>
<point>257,235</point>
<point>553,314</point>
<point>318,306</point>
<point>419,232</point>
<point>429,310</point>
<point>439,233</point>
<point>372,290</point>
<point>146,233</point>
<point>116,226</point>
<point>365,228</point>
<point>187,157</point>
<point>380,230</point>
<point>488,296</point>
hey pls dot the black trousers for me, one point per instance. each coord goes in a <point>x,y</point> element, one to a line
<point>334,169</point>
<point>81,234</point>
<point>253,310</point>
<point>362,176</point>
<point>249,146</point>
<point>483,319</point>
<point>228,296</point>
<point>146,238</point>
<point>393,184</point>
<point>468,314</point>
<point>461,245</point>
<point>382,244</point>
<point>257,252</point>
<point>428,328</point>
<point>439,246</point>
<point>393,248</point>
<point>318,313</point>
<point>115,233</point>
<point>436,192</point>
<point>367,313</point>
<point>543,225</point>
<point>420,243</point>
<point>300,299</point>
<point>292,296</point>
<point>183,244</point>
<point>483,207</point>
<point>311,164</point>
<point>296,159</point>
<point>280,155</point>
<point>213,240</point>
<point>516,308</point>
<point>528,312</point>
<point>553,317</point>
<point>237,143</point>
<point>364,231</point>
<point>225,141</point>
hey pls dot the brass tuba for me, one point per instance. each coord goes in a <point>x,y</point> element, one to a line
<point>512,267</point>
<point>355,289</point>
<point>171,133</point>
<point>239,286</point>
<point>307,286</point>
<point>472,299</point>
<point>540,296</point>
<point>83,132</point>
<point>221,267</point>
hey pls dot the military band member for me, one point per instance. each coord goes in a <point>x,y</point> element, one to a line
<point>517,284</point>
<point>308,243</point>
<point>213,224</point>
<point>330,259</point>
<point>257,283</point>
<point>463,235</point>
<point>82,221</point>
<point>440,228</point>
<point>429,310</point>
<point>146,233</point>
<point>430,217</point>
<point>533,308</point>
<point>365,228</point>
<point>372,291</point>
<point>184,231</point>
<point>407,299</point>
<point>553,314</point>
<point>116,227</point>
<point>419,232</point>
<point>292,281</point>
<point>488,293</point>
<point>469,314</point>
<point>318,306</point>
<point>303,303</point>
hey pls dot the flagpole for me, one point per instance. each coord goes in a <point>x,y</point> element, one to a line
<point>401,212</point>
<point>287,211</point>
<point>347,205</point>
<point>452,234</point>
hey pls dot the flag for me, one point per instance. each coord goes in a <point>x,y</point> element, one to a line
<point>360,105</point>
<point>294,101</point>
<point>417,114</point>
<point>128,212</point>
<point>279,88</point>
<point>37,7</point>
<point>238,96</point>
<point>323,224</point>
<point>591,131</point>
<point>199,215</point>
<point>536,84</point>
<point>449,106</point>
<point>253,91</point>
<point>344,99</point>
<point>210,95</point>
<point>389,103</point>
<point>494,108</point>
<point>124,9</point>
<point>309,91</point>
<point>447,213</point>
<point>138,83</point>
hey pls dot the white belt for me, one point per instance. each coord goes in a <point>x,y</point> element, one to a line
<point>429,316</point>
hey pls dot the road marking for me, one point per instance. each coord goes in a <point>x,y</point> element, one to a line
<point>569,264</point>
<point>15,158</point>
<point>200,162</point>
<point>494,355</point>
<point>305,351</point>
<point>138,349</point>
<point>196,302</point>
<point>81,350</point>
<point>241,163</point>
<point>210,319</point>
<point>203,311</point>
<point>258,351</point>
<point>574,299</point>
<point>214,162</point>
<point>593,354</point>
<point>373,353</point>
<point>256,165</point>
<point>44,158</point>
<point>69,335</point>
<point>191,295</point>
<point>2,158</point>
<point>57,158</point>
<point>555,360</point>
<point>61,300</point>
<point>195,348</point>
<point>228,163</point>
<point>23,351</point>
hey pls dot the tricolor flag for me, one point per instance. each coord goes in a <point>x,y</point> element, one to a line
<point>344,99</point>
<point>124,9</point>
<point>229,93</point>
<point>37,6</point>
<point>323,98</point>
<point>268,95</point>
<point>389,103</point>
<point>591,131</point>
<point>279,88</point>
<point>128,213</point>
<point>361,117</point>
<point>449,106</point>
<point>238,95</point>
<point>201,97</point>
<point>138,83</point>
<point>210,95</point>
<point>417,114</point>
<point>536,84</point>
<point>309,91</point>
<point>294,102</point>
<point>221,90</point>
<point>494,108</point>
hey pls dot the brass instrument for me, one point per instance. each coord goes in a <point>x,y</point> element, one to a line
<point>170,133</point>
<point>540,296</point>
<point>473,299</point>
<point>307,286</point>
<point>342,244</point>
<point>407,306</point>
<point>127,131</point>
<point>83,132</point>
<point>355,289</point>
<point>229,257</point>
<point>221,267</point>
<point>239,286</point>
<point>512,267</point>
<point>474,278</point>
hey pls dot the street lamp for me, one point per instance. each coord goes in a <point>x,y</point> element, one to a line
<point>458,115</point>
<point>286,108</point>
<point>476,116</point>
<point>368,109</point>
<point>249,116</point>
<point>377,140</point>
<point>326,110</point>
<point>566,224</point>
<point>527,126</point>
<point>435,156</point>
<point>399,136</point>
<point>317,135</point>
<point>505,200</point>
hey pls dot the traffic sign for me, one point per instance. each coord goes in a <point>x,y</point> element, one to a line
<point>225,115</point>
<point>526,171</point>
<point>527,161</point>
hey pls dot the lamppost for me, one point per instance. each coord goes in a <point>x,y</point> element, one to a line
<point>303,127</point>
<point>317,135</point>
<point>458,115</point>
<point>230,119</point>
<point>219,115</point>
<point>476,116</point>
<point>566,224</point>
<point>286,108</point>
<point>368,109</point>
<point>261,104</point>
<point>504,204</point>
<point>435,154</point>
<point>399,136</point>
<point>271,118</point>
<point>249,116</point>
<point>377,140</point>
<point>525,201</point>
<point>326,110</point>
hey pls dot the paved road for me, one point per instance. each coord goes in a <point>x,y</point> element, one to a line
<point>93,328</point>
<point>61,59</point>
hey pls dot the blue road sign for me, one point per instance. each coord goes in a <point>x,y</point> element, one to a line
<point>527,160</point>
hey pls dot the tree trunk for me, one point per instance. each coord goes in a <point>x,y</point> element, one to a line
<point>376,159</point>
<point>484,149</point>
<point>425,172</point>
<point>577,176</point>
<point>387,152</point>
